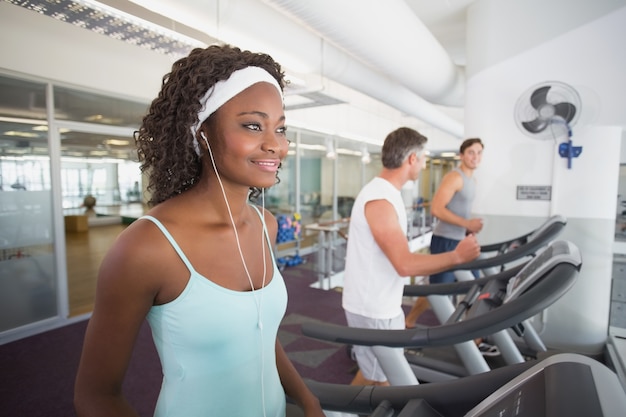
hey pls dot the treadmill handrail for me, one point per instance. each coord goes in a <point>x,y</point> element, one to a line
<point>544,293</point>
<point>530,248</point>
<point>474,395</point>
<point>458,287</point>
<point>492,247</point>
<point>468,392</point>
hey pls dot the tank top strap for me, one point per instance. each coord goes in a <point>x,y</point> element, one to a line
<point>267,237</point>
<point>169,237</point>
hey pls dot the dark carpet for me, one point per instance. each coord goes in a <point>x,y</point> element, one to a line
<point>37,373</point>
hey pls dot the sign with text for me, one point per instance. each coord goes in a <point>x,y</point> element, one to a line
<point>534,192</point>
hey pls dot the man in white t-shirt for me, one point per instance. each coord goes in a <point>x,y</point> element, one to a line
<point>379,258</point>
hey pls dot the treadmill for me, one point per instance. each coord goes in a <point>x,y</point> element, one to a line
<point>561,385</point>
<point>465,358</point>
<point>499,302</point>
<point>566,384</point>
<point>495,257</point>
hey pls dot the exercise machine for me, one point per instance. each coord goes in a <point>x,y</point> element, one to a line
<point>495,257</point>
<point>465,358</point>
<point>497,303</point>
<point>566,384</point>
<point>562,384</point>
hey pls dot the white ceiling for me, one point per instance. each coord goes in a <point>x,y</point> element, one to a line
<point>446,21</point>
<point>385,56</point>
<point>418,95</point>
<point>204,22</point>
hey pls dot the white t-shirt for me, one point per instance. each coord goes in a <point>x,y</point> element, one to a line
<point>372,287</point>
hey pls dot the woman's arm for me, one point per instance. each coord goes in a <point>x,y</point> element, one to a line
<point>295,386</point>
<point>124,295</point>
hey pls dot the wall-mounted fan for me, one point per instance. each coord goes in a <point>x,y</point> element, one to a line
<point>548,111</point>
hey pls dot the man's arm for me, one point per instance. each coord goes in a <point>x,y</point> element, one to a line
<point>383,222</point>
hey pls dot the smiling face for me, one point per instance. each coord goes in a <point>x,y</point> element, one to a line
<point>248,136</point>
<point>471,156</point>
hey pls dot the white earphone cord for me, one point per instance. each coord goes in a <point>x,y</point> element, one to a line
<point>258,303</point>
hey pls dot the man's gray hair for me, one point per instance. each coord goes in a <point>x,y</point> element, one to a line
<point>399,144</point>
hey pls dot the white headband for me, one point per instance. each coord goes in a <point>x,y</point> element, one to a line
<point>224,90</point>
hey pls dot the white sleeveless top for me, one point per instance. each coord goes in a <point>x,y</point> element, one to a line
<point>372,287</point>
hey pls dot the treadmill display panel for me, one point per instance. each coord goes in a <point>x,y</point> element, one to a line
<point>536,269</point>
<point>565,389</point>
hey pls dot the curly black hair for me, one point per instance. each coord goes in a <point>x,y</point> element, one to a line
<point>164,140</point>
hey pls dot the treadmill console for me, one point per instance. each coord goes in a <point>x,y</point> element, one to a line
<point>553,391</point>
<point>552,220</point>
<point>555,253</point>
<point>565,385</point>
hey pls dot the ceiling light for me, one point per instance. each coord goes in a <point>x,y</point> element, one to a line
<point>19,134</point>
<point>119,25</point>
<point>44,128</point>
<point>330,148</point>
<point>116,142</point>
<point>312,147</point>
<point>343,151</point>
<point>99,118</point>
<point>448,154</point>
<point>365,155</point>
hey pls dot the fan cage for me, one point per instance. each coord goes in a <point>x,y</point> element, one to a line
<point>559,92</point>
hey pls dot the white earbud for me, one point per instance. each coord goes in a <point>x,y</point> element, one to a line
<point>256,301</point>
<point>205,139</point>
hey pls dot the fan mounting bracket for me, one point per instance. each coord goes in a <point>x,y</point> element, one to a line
<point>569,151</point>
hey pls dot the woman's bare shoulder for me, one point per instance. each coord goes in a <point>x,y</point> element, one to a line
<point>140,251</point>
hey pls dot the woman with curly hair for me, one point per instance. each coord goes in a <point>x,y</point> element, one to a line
<point>199,265</point>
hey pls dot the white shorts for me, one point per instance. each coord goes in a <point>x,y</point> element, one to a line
<point>365,356</point>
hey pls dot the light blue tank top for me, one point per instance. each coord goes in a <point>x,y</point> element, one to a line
<point>216,358</point>
<point>461,205</point>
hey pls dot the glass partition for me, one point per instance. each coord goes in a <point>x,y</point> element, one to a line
<point>331,172</point>
<point>89,107</point>
<point>429,181</point>
<point>281,197</point>
<point>358,164</point>
<point>98,165</point>
<point>315,191</point>
<point>97,159</point>
<point>99,175</point>
<point>28,281</point>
